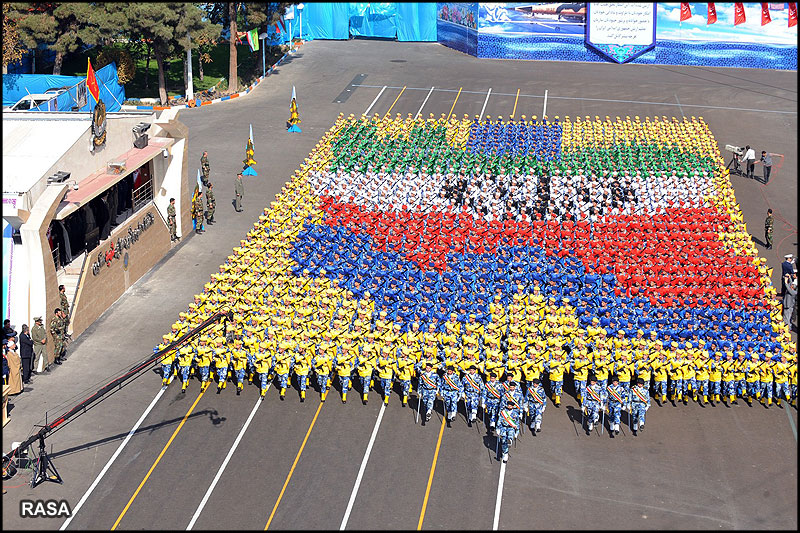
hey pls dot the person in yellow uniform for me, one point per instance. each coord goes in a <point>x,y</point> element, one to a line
<point>660,367</point>
<point>404,369</point>
<point>186,355</point>
<point>263,367</point>
<point>728,378</point>
<point>751,376</point>
<point>222,360</point>
<point>282,364</point>
<point>367,360</point>
<point>167,363</point>
<point>765,379</point>
<point>715,369</point>
<point>385,368</point>
<point>345,363</point>
<point>740,377</point>
<point>323,364</point>
<point>644,371</point>
<point>494,362</point>
<point>675,373</point>
<point>514,367</point>
<point>580,368</point>
<point>780,370</point>
<point>689,376</point>
<point>602,366</point>
<point>623,368</point>
<point>701,367</point>
<point>203,359</point>
<point>555,371</point>
<point>302,365</point>
<point>238,364</point>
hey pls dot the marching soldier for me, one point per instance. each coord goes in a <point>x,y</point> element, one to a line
<point>474,393</point>
<point>593,402</point>
<point>238,364</point>
<point>556,366</point>
<point>617,401</point>
<point>491,405</point>
<point>301,368</point>
<point>211,204</point>
<point>404,370</point>
<point>769,225</point>
<point>660,367</point>
<point>366,367</point>
<point>780,370</point>
<point>205,168</point>
<point>428,388</point>
<point>715,378</point>
<point>451,390</point>
<point>386,365</point>
<point>172,221</point>
<point>222,360</point>
<point>283,365</point>
<point>185,357</point>
<point>507,429</point>
<point>640,403</point>
<point>203,361</point>
<point>537,403</point>
<point>167,363</point>
<point>263,366</point>
<point>323,364</point>
<point>345,363</point>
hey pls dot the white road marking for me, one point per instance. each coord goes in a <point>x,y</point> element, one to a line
<point>224,464</point>
<point>668,104</point>
<point>791,421</point>
<point>499,497</point>
<point>113,458</point>
<point>424,102</point>
<point>679,106</point>
<point>362,468</point>
<point>376,99</point>
<point>484,104</point>
<point>544,109</point>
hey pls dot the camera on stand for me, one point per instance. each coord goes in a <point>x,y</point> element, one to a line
<point>736,153</point>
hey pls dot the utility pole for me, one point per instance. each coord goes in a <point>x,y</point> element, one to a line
<point>189,82</point>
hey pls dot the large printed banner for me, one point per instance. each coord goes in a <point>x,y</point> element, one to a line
<point>762,38</point>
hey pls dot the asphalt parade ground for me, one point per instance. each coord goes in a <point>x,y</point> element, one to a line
<point>207,461</point>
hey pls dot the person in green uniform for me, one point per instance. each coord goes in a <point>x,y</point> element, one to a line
<point>210,203</point>
<point>198,213</point>
<point>57,332</point>
<point>39,338</point>
<point>172,221</point>
<point>239,192</point>
<point>769,224</point>
<point>205,168</point>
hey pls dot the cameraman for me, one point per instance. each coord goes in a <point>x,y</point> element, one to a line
<point>749,159</point>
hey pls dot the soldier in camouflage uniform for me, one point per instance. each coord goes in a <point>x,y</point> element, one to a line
<point>198,213</point>
<point>57,330</point>
<point>172,221</point>
<point>205,168</point>
<point>769,224</point>
<point>210,203</point>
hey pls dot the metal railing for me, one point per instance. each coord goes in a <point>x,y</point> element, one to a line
<point>142,195</point>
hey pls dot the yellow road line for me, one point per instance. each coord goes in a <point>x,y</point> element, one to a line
<point>454,103</point>
<point>395,101</point>
<point>291,470</point>
<point>177,429</point>
<point>515,105</point>
<point>430,477</point>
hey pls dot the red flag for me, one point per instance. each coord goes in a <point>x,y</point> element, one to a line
<point>738,13</point>
<point>792,14</point>
<point>765,18</point>
<point>91,82</point>
<point>281,27</point>
<point>686,11</point>
<point>712,13</point>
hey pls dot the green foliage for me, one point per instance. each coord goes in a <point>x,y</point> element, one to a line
<point>126,68</point>
<point>12,46</point>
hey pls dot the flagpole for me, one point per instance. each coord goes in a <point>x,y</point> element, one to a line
<point>189,81</point>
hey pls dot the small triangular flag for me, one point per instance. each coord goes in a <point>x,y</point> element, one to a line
<point>199,180</point>
<point>249,171</point>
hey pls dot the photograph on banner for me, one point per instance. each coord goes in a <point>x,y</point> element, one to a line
<point>770,29</point>
<point>463,14</point>
<point>457,26</point>
<point>545,18</point>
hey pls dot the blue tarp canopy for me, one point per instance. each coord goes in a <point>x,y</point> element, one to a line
<point>15,86</point>
<point>412,21</point>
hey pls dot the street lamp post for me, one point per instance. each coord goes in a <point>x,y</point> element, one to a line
<point>300,10</point>
<point>263,38</point>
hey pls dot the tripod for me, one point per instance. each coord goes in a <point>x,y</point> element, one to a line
<point>45,470</point>
<point>734,162</point>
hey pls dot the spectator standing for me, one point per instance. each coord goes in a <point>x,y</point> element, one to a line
<point>26,353</point>
<point>749,160</point>
<point>39,338</point>
<point>789,299</point>
<point>14,377</point>
<point>787,269</point>
<point>766,160</point>
<point>8,331</point>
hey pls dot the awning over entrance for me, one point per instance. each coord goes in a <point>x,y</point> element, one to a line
<point>95,184</point>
